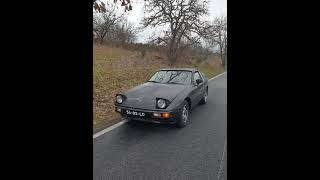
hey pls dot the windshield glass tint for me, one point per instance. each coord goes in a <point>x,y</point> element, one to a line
<point>172,77</point>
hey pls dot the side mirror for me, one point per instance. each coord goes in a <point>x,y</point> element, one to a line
<point>199,81</point>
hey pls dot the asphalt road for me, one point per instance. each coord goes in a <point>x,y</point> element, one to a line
<point>146,151</point>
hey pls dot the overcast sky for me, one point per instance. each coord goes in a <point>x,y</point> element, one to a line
<point>216,8</point>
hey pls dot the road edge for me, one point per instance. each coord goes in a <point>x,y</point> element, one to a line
<point>217,76</point>
<point>107,129</point>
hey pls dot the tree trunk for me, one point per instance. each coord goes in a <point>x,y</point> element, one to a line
<point>170,54</point>
<point>171,58</point>
<point>222,56</point>
<point>221,50</point>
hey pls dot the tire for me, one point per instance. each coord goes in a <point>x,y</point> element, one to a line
<point>205,98</point>
<point>183,115</point>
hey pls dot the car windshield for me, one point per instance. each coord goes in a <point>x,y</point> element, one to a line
<point>172,77</point>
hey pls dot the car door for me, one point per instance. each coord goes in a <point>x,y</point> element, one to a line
<point>193,94</point>
<point>205,82</point>
<point>200,89</point>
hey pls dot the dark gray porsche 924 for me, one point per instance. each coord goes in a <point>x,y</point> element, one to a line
<point>167,97</point>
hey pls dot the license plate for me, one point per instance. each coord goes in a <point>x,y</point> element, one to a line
<point>135,113</point>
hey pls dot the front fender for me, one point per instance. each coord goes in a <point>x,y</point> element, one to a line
<point>179,99</point>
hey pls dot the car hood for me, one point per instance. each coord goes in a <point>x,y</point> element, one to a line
<point>144,96</point>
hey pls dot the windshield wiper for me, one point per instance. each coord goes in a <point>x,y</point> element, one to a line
<point>154,81</point>
<point>174,83</point>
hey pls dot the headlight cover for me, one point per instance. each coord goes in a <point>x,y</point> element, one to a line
<point>162,103</point>
<point>120,98</point>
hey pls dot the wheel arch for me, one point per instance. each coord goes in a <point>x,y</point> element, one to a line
<point>189,102</point>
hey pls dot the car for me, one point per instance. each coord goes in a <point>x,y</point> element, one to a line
<point>167,97</point>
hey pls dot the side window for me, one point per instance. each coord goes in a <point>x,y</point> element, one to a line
<point>196,76</point>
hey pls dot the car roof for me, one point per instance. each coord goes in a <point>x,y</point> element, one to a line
<point>179,69</point>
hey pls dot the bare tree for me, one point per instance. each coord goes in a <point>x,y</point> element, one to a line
<point>221,30</point>
<point>105,22</point>
<point>183,19</point>
<point>216,35</point>
<point>126,32</point>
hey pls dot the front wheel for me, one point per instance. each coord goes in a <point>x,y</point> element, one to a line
<point>205,97</point>
<point>183,115</point>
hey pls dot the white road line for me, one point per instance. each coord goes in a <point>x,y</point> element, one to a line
<point>109,128</point>
<point>217,76</point>
<point>222,159</point>
<point>124,121</point>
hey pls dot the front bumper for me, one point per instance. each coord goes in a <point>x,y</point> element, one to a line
<point>149,115</point>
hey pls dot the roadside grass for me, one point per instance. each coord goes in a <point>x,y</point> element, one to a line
<point>116,70</point>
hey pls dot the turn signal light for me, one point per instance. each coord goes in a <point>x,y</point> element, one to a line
<point>166,115</point>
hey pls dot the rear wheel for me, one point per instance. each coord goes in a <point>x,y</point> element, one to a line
<point>183,115</point>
